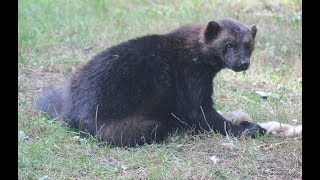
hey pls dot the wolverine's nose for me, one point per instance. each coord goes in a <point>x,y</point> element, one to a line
<point>244,65</point>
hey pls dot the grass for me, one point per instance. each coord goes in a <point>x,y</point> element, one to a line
<point>55,37</point>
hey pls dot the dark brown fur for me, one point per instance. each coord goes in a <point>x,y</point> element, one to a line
<point>134,127</point>
<point>140,90</point>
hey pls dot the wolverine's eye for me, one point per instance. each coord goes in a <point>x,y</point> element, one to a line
<point>229,46</point>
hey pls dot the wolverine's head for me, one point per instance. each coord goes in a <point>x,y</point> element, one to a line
<point>229,43</point>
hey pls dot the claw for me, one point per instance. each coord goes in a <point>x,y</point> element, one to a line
<point>257,131</point>
<point>246,128</point>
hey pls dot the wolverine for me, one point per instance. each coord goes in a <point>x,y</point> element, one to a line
<point>140,90</point>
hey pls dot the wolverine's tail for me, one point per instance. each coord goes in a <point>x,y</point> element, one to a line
<point>51,101</point>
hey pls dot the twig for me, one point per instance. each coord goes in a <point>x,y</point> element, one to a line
<point>225,129</point>
<point>180,120</point>
<point>271,146</point>
<point>205,118</point>
<point>96,119</point>
<point>248,100</point>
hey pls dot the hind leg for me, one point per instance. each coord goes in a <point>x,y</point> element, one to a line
<point>131,131</point>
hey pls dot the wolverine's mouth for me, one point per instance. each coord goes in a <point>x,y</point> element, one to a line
<point>239,69</point>
<point>236,69</point>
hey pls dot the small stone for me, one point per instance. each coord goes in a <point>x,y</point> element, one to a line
<point>214,159</point>
<point>43,178</point>
<point>265,95</point>
<point>22,135</point>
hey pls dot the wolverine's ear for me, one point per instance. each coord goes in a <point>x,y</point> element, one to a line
<point>212,29</point>
<point>253,30</point>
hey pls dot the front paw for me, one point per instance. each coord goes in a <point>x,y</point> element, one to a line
<point>249,129</point>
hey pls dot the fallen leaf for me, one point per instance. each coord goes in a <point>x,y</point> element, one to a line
<point>223,97</point>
